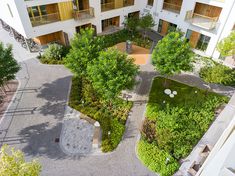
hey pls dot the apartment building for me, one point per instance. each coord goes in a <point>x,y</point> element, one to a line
<point>204,22</point>
<point>46,21</point>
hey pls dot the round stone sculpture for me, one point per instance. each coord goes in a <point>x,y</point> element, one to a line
<point>172,95</point>
<point>167,91</point>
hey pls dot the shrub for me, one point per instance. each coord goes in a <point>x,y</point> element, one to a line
<point>54,54</point>
<point>218,74</point>
<point>148,130</point>
<point>156,159</point>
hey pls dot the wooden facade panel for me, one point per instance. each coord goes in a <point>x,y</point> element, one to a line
<point>175,2</point>
<point>165,26</point>
<point>207,10</point>
<point>45,39</point>
<point>118,4</point>
<point>66,10</point>
<point>194,39</point>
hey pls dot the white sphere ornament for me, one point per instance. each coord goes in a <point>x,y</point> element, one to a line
<point>167,91</point>
<point>174,92</point>
<point>172,95</point>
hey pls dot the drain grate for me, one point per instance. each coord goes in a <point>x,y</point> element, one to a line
<point>57,140</point>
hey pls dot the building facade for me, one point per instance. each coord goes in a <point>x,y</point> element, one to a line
<point>204,22</point>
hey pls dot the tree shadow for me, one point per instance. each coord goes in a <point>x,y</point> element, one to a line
<point>40,140</point>
<point>56,94</point>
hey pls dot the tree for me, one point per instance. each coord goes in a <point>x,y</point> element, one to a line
<point>131,23</point>
<point>84,49</point>
<point>12,163</point>
<point>146,22</point>
<point>226,47</point>
<point>172,54</point>
<point>8,65</point>
<point>112,73</point>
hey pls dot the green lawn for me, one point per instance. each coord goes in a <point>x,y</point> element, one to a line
<point>173,126</point>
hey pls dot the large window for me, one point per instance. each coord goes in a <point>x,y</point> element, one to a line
<point>150,2</point>
<point>197,40</point>
<point>203,42</point>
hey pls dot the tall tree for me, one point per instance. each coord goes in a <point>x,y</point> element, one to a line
<point>84,49</point>
<point>112,73</point>
<point>146,22</point>
<point>172,54</point>
<point>226,47</point>
<point>8,65</point>
<point>12,163</point>
<point>131,23</point>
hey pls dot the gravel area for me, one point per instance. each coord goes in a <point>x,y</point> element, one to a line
<point>77,135</point>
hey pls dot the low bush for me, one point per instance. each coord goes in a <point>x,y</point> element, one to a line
<point>157,160</point>
<point>54,54</point>
<point>112,119</point>
<point>124,35</point>
<point>218,74</point>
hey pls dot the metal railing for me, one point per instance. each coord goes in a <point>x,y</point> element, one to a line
<point>83,14</point>
<point>112,5</point>
<point>200,20</point>
<point>171,7</point>
<point>44,19</point>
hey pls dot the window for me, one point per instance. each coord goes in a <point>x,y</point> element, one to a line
<point>9,8</point>
<point>203,42</point>
<point>150,2</point>
<point>197,40</point>
<point>159,26</point>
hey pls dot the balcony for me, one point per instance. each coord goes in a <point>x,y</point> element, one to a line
<point>44,19</point>
<point>116,4</point>
<point>202,21</point>
<point>172,5</point>
<point>83,14</point>
<point>204,15</point>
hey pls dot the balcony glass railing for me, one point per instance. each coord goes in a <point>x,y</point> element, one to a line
<point>171,7</point>
<point>83,14</point>
<point>202,21</point>
<point>44,19</point>
<point>116,4</point>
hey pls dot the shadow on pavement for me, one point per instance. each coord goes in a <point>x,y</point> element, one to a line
<point>56,95</point>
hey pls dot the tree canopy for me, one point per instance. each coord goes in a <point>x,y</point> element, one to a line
<point>132,23</point>
<point>172,54</point>
<point>226,47</point>
<point>146,21</point>
<point>12,163</point>
<point>84,49</point>
<point>8,65</point>
<point>112,73</point>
